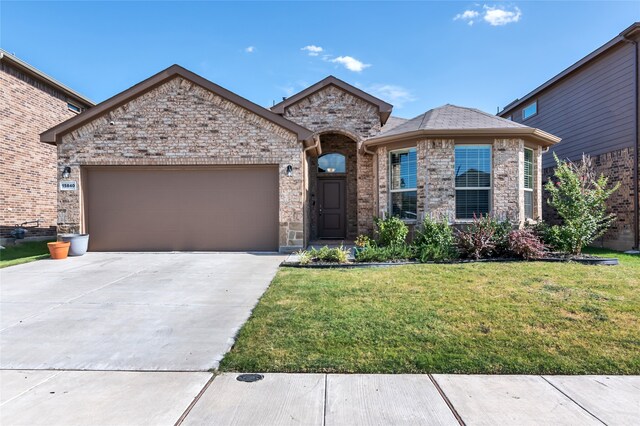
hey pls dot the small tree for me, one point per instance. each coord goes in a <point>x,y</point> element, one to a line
<point>580,200</point>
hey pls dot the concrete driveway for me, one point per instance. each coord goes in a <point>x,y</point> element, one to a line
<point>128,311</point>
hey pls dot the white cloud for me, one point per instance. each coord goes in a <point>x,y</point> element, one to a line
<point>350,63</point>
<point>313,50</point>
<point>396,95</point>
<point>497,16</point>
<point>250,49</point>
<point>493,15</point>
<point>467,15</point>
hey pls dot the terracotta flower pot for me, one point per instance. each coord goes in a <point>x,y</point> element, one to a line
<point>59,249</point>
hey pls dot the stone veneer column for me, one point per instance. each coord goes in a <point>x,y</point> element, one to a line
<point>508,180</point>
<point>382,193</point>
<point>437,158</point>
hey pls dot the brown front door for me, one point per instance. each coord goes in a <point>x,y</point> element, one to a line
<point>331,208</point>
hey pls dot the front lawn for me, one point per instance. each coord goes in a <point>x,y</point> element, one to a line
<point>507,318</point>
<point>23,253</point>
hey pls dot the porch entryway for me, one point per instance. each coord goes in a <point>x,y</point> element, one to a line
<point>333,188</point>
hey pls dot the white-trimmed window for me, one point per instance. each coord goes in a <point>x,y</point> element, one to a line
<point>473,171</point>
<point>530,110</point>
<point>403,183</point>
<point>528,183</point>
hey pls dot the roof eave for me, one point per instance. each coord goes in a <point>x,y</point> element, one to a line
<point>572,68</point>
<point>539,136</point>
<point>26,67</point>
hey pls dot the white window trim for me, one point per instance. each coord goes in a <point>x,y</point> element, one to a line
<point>392,191</point>
<point>527,106</point>
<point>463,188</point>
<point>532,186</point>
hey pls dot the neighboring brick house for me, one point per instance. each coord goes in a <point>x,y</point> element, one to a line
<point>179,163</point>
<point>30,103</point>
<point>593,106</point>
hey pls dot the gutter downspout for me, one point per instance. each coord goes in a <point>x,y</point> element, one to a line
<point>315,145</point>
<point>636,175</point>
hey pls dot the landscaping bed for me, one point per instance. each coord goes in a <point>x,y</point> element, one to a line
<point>293,262</point>
<point>472,318</point>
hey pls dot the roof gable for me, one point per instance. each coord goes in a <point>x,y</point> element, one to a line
<point>384,108</point>
<point>54,134</point>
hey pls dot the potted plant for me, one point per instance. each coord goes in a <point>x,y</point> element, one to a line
<point>59,249</point>
<point>79,243</point>
<point>362,242</point>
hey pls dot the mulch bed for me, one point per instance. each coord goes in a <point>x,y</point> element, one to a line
<point>555,257</point>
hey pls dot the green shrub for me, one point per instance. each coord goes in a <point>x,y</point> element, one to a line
<point>580,200</point>
<point>331,255</point>
<point>434,241</point>
<point>391,231</point>
<point>500,238</point>
<point>304,257</point>
<point>375,253</point>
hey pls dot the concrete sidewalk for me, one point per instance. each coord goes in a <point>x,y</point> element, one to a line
<point>198,398</point>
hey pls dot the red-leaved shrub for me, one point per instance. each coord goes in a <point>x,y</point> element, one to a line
<point>475,241</point>
<point>523,243</point>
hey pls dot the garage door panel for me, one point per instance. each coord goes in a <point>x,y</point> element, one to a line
<point>145,209</point>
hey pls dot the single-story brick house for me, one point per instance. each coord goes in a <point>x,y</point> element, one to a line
<point>177,162</point>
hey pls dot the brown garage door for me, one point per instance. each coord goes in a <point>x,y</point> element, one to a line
<point>195,208</point>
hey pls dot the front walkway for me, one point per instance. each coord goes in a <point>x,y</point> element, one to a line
<point>190,398</point>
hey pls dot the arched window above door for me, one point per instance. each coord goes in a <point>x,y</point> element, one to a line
<point>331,163</point>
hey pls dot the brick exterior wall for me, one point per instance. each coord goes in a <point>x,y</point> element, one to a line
<point>28,178</point>
<point>439,176</point>
<point>508,179</point>
<point>382,157</point>
<point>436,179</point>
<point>333,110</point>
<point>181,123</point>
<point>618,166</point>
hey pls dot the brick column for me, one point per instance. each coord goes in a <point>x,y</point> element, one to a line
<point>439,163</point>
<point>508,180</point>
<point>383,176</point>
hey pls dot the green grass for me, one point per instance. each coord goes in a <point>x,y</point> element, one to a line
<point>533,318</point>
<point>23,253</point>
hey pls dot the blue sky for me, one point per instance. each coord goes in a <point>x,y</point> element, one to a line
<point>416,55</point>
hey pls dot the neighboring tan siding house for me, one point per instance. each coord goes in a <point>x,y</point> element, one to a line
<point>593,107</point>
<point>177,162</point>
<point>30,103</point>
